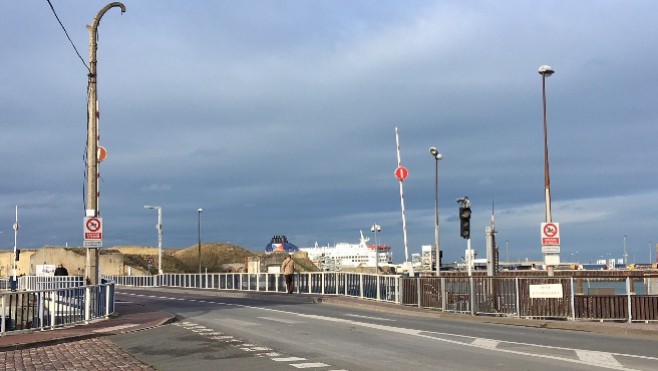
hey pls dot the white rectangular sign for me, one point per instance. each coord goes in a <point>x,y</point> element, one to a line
<point>92,243</point>
<point>547,291</point>
<point>550,249</point>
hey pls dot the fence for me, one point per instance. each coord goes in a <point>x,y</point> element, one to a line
<point>360,285</point>
<point>575,298</point>
<point>631,299</point>
<point>60,301</point>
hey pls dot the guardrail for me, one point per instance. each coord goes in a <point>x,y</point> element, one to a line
<point>631,299</point>
<point>56,306</point>
<point>366,286</point>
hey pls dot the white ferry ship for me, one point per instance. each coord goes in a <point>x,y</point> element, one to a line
<point>346,255</point>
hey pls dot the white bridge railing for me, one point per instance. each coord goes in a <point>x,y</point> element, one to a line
<point>366,286</point>
<point>41,303</point>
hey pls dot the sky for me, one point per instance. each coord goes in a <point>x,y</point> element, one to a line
<point>279,118</point>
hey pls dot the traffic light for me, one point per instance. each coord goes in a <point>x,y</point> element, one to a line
<point>465,222</point>
<point>18,255</point>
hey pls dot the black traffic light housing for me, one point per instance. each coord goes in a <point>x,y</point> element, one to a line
<point>465,222</point>
<point>18,255</point>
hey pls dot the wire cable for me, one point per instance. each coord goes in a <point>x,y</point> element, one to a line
<point>67,35</point>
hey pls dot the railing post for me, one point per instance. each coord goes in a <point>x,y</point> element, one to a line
<point>573,300</point>
<point>378,287</point>
<point>87,304</point>
<point>322,276</point>
<point>51,308</point>
<point>107,300</point>
<point>2,315</point>
<point>361,285</point>
<point>418,297</point>
<point>471,283</point>
<point>442,290</point>
<point>628,298</point>
<point>518,306</point>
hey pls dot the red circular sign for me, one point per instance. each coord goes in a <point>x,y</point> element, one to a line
<point>93,225</point>
<point>401,173</point>
<point>550,230</point>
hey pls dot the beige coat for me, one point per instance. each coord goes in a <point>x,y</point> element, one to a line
<point>288,266</point>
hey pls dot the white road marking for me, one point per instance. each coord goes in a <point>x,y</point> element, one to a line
<point>275,319</point>
<point>601,358</point>
<point>485,343</point>
<point>288,359</point>
<point>368,317</point>
<point>309,365</point>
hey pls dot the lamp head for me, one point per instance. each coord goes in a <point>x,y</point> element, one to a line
<point>199,210</point>
<point>435,153</point>
<point>546,70</point>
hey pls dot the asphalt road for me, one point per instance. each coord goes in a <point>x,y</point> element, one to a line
<point>219,331</point>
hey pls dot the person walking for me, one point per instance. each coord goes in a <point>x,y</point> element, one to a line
<point>288,269</point>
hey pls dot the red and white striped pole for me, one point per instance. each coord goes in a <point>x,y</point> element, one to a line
<point>404,219</point>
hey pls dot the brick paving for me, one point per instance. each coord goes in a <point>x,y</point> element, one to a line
<point>81,347</point>
<point>89,354</point>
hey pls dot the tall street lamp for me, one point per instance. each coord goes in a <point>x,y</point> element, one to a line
<point>546,71</point>
<point>199,235</point>
<point>92,139</point>
<point>376,229</point>
<point>159,228</point>
<point>437,156</point>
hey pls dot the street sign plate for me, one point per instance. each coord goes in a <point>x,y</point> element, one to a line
<point>551,249</point>
<point>550,234</point>
<point>92,243</point>
<point>401,173</point>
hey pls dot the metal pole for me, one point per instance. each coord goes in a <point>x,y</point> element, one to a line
<point>92,138</point>
<point>469,259</point>
<point>546,71</point>
<point>404,219</point>
<point>16,226</point>
<point>159,240</point>
<point>437,244</point>
<point>199,235</point>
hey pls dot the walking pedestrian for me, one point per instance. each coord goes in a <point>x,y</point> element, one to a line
<point>288,269</point>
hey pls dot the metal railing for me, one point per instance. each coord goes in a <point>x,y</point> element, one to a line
<point>366,286</point>
<point>60,304</point>
<point>631,299</point>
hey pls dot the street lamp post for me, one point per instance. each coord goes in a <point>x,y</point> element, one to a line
<point>159,228</point>
<point>199,211</point>
<point>92,139</point>
<point>376,228</point>
<point>437,156</point>
<point>546,71</point>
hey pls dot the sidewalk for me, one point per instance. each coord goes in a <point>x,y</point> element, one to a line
<point>81,347</point>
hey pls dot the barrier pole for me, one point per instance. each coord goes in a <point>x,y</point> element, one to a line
<point>628,299</point>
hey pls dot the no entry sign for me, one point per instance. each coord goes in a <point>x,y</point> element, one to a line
<point>401,173</point>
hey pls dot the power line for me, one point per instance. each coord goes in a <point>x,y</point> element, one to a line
<point>67,35</point>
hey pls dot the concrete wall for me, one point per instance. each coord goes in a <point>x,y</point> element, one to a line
<point>74,260</point>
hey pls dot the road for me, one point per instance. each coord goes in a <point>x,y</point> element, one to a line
<point>219,331</point>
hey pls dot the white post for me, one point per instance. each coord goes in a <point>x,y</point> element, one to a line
<point>87,304</point>
<point>404,219</point>
<point>469,258</point>
<point>16,226</point>
<point>51,307</point>
<point>518,307</point>
<point>573,300</point>
<point>2,315</point>
<point>628,298</point>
